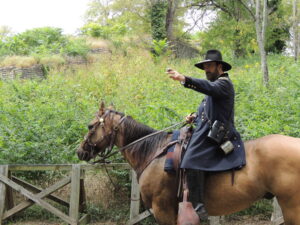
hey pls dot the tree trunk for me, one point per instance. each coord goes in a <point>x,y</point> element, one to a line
<point>172,6</point>
<point>295,29</point>
<point>158,10</point>
<point>261,25</point>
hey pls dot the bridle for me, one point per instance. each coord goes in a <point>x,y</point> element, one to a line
<point>112,136</point>
<point>109,137</point>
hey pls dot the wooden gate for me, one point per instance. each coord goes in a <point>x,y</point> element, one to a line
<point>35,195</point>
<point>77,201</point>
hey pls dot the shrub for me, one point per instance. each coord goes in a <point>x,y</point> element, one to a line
<point>41,42</point>
<point>96,30</point>
<point>159,47</point>
<point>45,40</point>
<point>76,47</point>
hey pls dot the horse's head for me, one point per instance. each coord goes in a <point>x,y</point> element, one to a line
<point>102,133</point>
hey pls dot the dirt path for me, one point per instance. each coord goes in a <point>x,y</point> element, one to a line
<point>245,220</point>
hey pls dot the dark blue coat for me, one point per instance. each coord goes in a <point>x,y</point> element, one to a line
<point>202,152</point>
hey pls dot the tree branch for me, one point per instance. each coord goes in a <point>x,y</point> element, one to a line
<point>222,8</point>
<point>248,9</point>
<point>196,5</point>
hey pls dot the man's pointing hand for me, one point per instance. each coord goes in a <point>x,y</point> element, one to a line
<point>175,75</point>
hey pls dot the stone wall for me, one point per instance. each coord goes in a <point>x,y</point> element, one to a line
<point>12,72</point>
<point>36,71</point>
<point>184,50</point>
<point>100,50</point>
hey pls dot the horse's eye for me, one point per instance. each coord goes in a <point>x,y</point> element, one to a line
<point>90,126</point>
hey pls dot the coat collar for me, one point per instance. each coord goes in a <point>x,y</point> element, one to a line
<point>222,75</point>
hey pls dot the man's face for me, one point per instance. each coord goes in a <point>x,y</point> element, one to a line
<point>211,70</point>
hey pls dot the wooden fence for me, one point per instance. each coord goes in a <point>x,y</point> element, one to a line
<point>77,201</point>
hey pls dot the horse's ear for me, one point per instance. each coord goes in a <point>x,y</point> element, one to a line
<point>102,108</point>
<point>111,107</point>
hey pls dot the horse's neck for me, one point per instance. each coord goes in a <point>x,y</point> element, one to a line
<point>140,153</point>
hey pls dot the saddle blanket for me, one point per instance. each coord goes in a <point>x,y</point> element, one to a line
<point>169,163</point>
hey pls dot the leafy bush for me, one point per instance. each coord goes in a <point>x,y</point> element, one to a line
<point>76,47</point>
<point>159,47</point>
<point>106,32</point>
<point>93,30</point>
<point>4,50</point>
<point>45,40</point>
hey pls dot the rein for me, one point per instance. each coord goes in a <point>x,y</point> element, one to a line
<point>108,153</point>
<point>150,135</point>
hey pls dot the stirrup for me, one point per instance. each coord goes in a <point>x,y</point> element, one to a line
<point>201,212</point>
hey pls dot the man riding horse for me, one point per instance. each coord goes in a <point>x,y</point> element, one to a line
<point>215,144</point>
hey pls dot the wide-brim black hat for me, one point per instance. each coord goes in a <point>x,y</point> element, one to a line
<point>213,56</point>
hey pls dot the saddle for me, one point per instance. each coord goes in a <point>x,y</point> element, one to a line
<point>176,148</point>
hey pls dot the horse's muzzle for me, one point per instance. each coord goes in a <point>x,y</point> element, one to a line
<point>83,155</point>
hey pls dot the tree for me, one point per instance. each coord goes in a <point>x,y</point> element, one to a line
<point>295,29</point>
<point>172,7</point>
<point>257,12</point>
<point>241,14</point>
<point>99,11</point>
<point>131,14</point>
<point>5,31</point>
<point>158,11</point>
<point>236,13</point>
<point>261,25</point>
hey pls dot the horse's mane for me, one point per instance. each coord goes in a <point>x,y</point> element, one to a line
<point>145,148</point>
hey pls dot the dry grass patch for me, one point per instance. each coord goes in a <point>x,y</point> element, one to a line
<point>98,188</point>
<point>96,43</point>
<point>18,61</point>
<point>53,60</point>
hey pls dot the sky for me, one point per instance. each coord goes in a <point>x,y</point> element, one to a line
<point>21,15</point>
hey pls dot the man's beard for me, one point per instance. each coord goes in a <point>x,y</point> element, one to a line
<point>212,76</point>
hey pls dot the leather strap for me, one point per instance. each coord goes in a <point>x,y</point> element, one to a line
<point>159,153</point>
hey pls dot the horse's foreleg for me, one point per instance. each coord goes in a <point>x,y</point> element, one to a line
<point>164,213</point>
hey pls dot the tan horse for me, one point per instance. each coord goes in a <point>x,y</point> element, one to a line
<point>273,167</point>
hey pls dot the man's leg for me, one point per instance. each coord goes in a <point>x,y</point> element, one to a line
<point>195,181</point>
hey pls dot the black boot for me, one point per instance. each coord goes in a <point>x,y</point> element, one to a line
<point>195,181</point>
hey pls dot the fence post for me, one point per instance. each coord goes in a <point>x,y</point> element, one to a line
<point>276,217</point>
<point>4,172</point>
<point>75,190</point>
<point>135,196</point>
<point>9,194</point>
<point>82,196</point>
